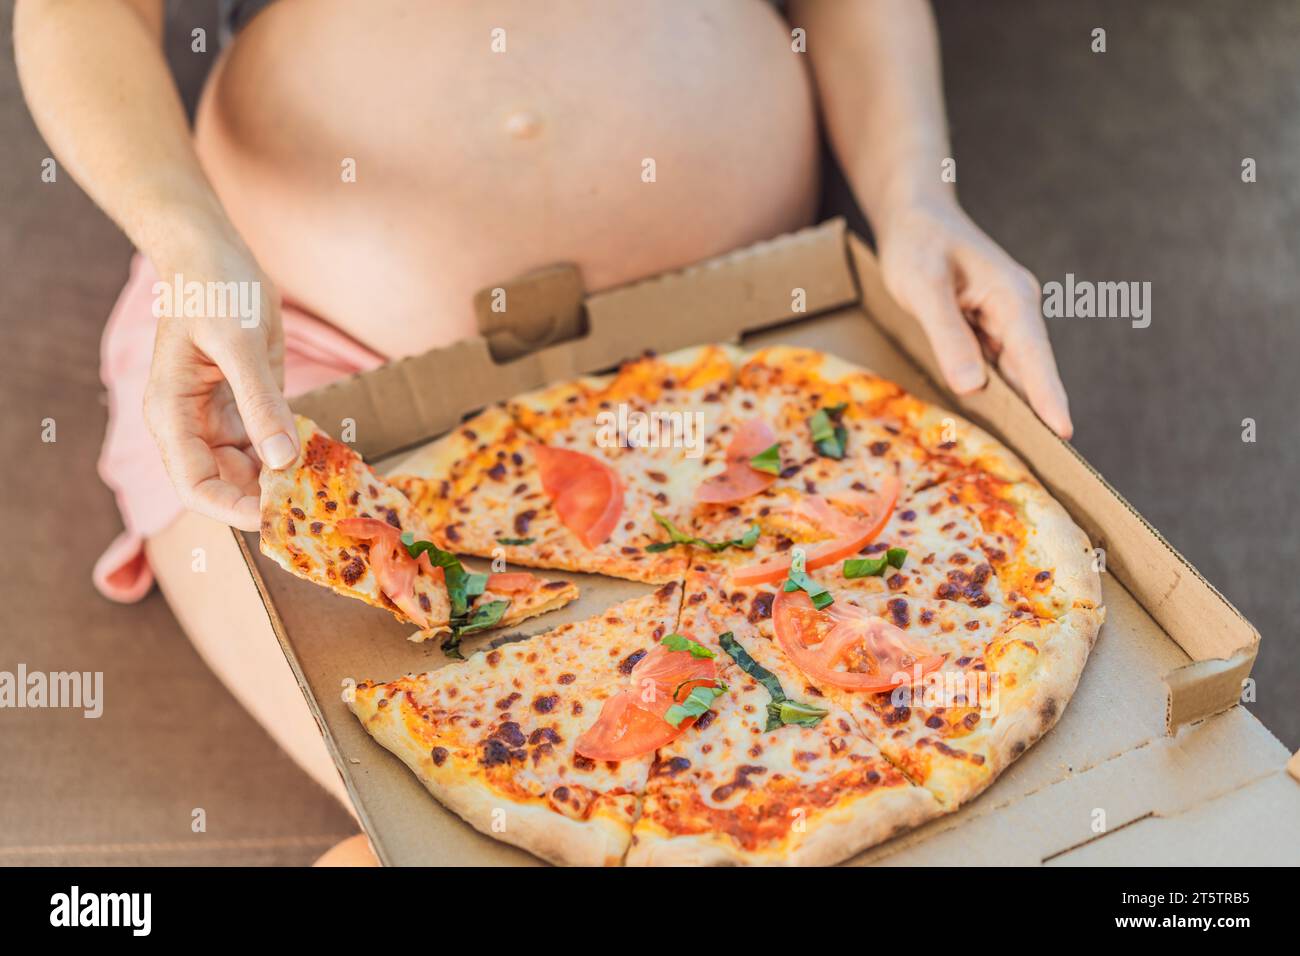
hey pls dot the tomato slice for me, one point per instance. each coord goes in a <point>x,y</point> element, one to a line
<point>623,731</point>
<point>395,570</point>
<point>818,640</point>
<point>366,529</point>
<point>586,492</point>
<point>508,582</point>
<point>665,677</point>
<point>738,480</point>
<point>851,535</point>
<point>631,723</point>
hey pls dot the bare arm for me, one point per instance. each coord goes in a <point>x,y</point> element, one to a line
<point>876,64</point>
<point>103,98</point>
<point>100,91</point>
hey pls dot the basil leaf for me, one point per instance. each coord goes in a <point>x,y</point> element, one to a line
<point>874,567</point>
<point>750,666</point>
<point>439,557</point>
<point>768,460</point>
<point>796,712</point>
<point>821,426</point>
<point>697,702</point>
<point>830,438</point>
<point>676,537</point>
<point>799,580</point>
<point>520,542</point>
<point>679,642</point>
<point>462,587</point>
<point>781,710</point>
<point>485,616</point>
<point>864,567</point>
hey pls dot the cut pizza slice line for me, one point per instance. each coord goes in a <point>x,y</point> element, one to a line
<point>835,467</point>
<point>842,433</point>
<point>978,686</point>
<point>493,738</point>
<point>839,427</point>
<point>482,491</point>
<point>972,539</point>
<point>977,539</point>
<point>655,421</point>
<point>328,518</point>
<point>767,778</point>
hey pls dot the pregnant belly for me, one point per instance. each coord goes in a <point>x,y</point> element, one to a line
<point>384,161</point>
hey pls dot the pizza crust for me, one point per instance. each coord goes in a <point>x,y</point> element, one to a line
<point>1062,545</point>
<point>832,836</point>
<point>600,840</point>
<point>1028,712</point>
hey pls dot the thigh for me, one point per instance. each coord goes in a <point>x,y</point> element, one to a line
<point>222,614</point>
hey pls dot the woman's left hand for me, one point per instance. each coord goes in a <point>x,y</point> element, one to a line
<point>971,298</point>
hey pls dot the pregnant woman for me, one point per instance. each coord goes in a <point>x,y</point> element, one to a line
<point>371,165</point>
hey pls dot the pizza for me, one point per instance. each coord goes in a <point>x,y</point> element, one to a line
<point>330,519</point>
<point>864,608</point>
<point>572,476</point>
<point>494,738</point>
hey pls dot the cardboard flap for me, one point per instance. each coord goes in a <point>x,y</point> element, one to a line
<point>1208,687</point>
<point>1258,825</point>
<point>805,272</point>
<point>523,315</point>
<point>1186,605</point>
<point>1168,777</point>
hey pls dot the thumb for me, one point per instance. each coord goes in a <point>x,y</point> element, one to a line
<point>262,406</point>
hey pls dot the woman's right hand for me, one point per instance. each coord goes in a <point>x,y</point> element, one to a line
<point>215,401</point>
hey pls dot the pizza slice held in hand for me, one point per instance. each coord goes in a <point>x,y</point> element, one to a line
<point>328,518</point>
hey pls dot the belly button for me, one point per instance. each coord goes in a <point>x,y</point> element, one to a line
<point>524,125</point>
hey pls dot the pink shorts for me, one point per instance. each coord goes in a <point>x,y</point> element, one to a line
<point>315,354</point>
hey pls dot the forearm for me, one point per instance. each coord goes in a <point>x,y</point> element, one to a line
<point>876,64</point>
<point>100,91</point>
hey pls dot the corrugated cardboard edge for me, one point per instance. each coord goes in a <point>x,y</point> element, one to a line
<point>281,635</point>
<point>1218,638</point>
<point>728,295</point>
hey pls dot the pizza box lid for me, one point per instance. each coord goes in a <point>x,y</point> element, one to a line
<point>1154,742</point>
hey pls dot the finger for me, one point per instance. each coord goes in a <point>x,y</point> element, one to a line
<point>194,468</point>
<point>1028,350</point>
<point>1007,298</point>
<point>933,300</point>
<point>1027,356</point>
<point>1032,368</point>
<point>239,469</point>
<point>262,406</point>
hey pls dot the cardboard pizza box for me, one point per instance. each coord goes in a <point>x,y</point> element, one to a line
<point>1154,759</point>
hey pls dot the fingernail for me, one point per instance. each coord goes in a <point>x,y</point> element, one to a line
<point>277,451</point>
<point>967,378</point>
